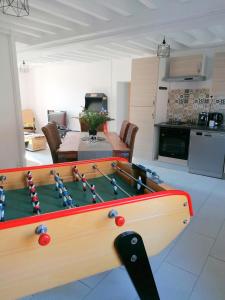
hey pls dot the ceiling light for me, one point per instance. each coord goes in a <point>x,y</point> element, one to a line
<point>17,8</point>
<point>163,49</point>
<point>24,68</point>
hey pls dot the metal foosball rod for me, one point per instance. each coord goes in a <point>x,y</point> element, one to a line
<point>88,184</point>
<point>114,165</point>
<point>109,179</point>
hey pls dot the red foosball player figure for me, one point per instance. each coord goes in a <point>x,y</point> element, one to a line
<point>36,207</point>
<point>34,197</point>
<point>84,182</point>
<point>29,175</point>
<point>114,184</point>
<point>32,188</point>
<point>29,182</point>
<point>76,173</point>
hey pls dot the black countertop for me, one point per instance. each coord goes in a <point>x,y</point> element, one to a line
<point>191,126</point>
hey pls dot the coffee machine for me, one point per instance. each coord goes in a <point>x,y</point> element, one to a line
<point>205,117</point>
<point>216,117</point>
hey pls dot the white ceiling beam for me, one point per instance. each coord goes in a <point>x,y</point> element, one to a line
<point>53,9</point>
<point>158,27</point>
<point>67,56</point>
<point>23,23</point>
<point>202,35</point>
<point>182,37</point>
<point>102,53</point>
<point>108,49</point>
<point>218,31</point>
<point>88,54</point>
<point>115,6</point>
<point>148,4</point>
<point>48,21</point>
<point>158,38</point>
<point>14,30</point>
<point>130,49</point>
<point>143,44</point>
<point>87,8</point>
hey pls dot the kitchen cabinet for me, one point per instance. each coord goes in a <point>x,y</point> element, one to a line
<point>144,86</point>
<point>142,117</point>
<point>185,65</point>
<point>218,81</point>
<point>144,81</point>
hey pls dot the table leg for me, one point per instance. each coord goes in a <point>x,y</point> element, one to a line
<point>131,250</point>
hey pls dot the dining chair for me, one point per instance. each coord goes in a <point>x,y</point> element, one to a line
<point>130,139</point>
<point>28,120</point>
<point>53,138</point>
<point>124,130</point>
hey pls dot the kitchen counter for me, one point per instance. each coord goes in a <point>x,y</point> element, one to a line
<point>192,126</point>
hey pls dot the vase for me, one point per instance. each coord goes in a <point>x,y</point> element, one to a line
<point>92,135</point>
<point>92,132</point>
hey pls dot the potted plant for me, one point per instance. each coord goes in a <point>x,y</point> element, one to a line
<point>93,120</point>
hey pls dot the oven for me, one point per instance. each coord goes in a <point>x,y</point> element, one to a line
<point>174,142</point>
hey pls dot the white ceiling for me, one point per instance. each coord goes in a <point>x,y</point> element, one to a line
<point>92,30</point>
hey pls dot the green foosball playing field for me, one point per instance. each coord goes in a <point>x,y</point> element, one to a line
<point>18,202</point>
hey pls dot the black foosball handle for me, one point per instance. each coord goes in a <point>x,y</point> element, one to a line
<point>131,250</point>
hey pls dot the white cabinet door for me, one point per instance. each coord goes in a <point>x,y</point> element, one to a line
<point>218,82</point>
<point>144,80</point>
<point>186,65</point>
<point>143,118</point>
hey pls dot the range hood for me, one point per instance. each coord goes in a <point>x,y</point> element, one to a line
<point>186,68</point>
<point>185,78</point>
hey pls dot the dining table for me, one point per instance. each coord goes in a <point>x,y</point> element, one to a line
<point>81,146</point>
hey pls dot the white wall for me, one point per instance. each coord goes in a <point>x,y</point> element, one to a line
<point>63,87</point>
<point>11,130</point>
<point>121,72</point>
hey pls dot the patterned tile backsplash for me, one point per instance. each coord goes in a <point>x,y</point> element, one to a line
<point>186,104</point>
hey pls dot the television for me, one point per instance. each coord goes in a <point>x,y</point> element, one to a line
<point>96,102</point>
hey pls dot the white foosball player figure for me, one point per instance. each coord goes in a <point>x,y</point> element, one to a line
<point>65,194</point>
<point>60,188</point>
<point>2,211</point>
<point>2,194</point>
<point>93,198</point>
<point>69,201</point>
<point>139,184</point>
<point>114,184</point>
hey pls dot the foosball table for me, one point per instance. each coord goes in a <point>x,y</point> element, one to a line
<point>64,222</point>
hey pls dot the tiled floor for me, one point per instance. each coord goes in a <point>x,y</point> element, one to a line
<point>192,267</point>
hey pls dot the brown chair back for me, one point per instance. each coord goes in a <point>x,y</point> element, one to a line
<point>130,139</point>
<point>53,138</point>
<point>123,130</point>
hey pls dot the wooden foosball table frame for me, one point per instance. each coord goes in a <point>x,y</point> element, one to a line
<point>83,238</point>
